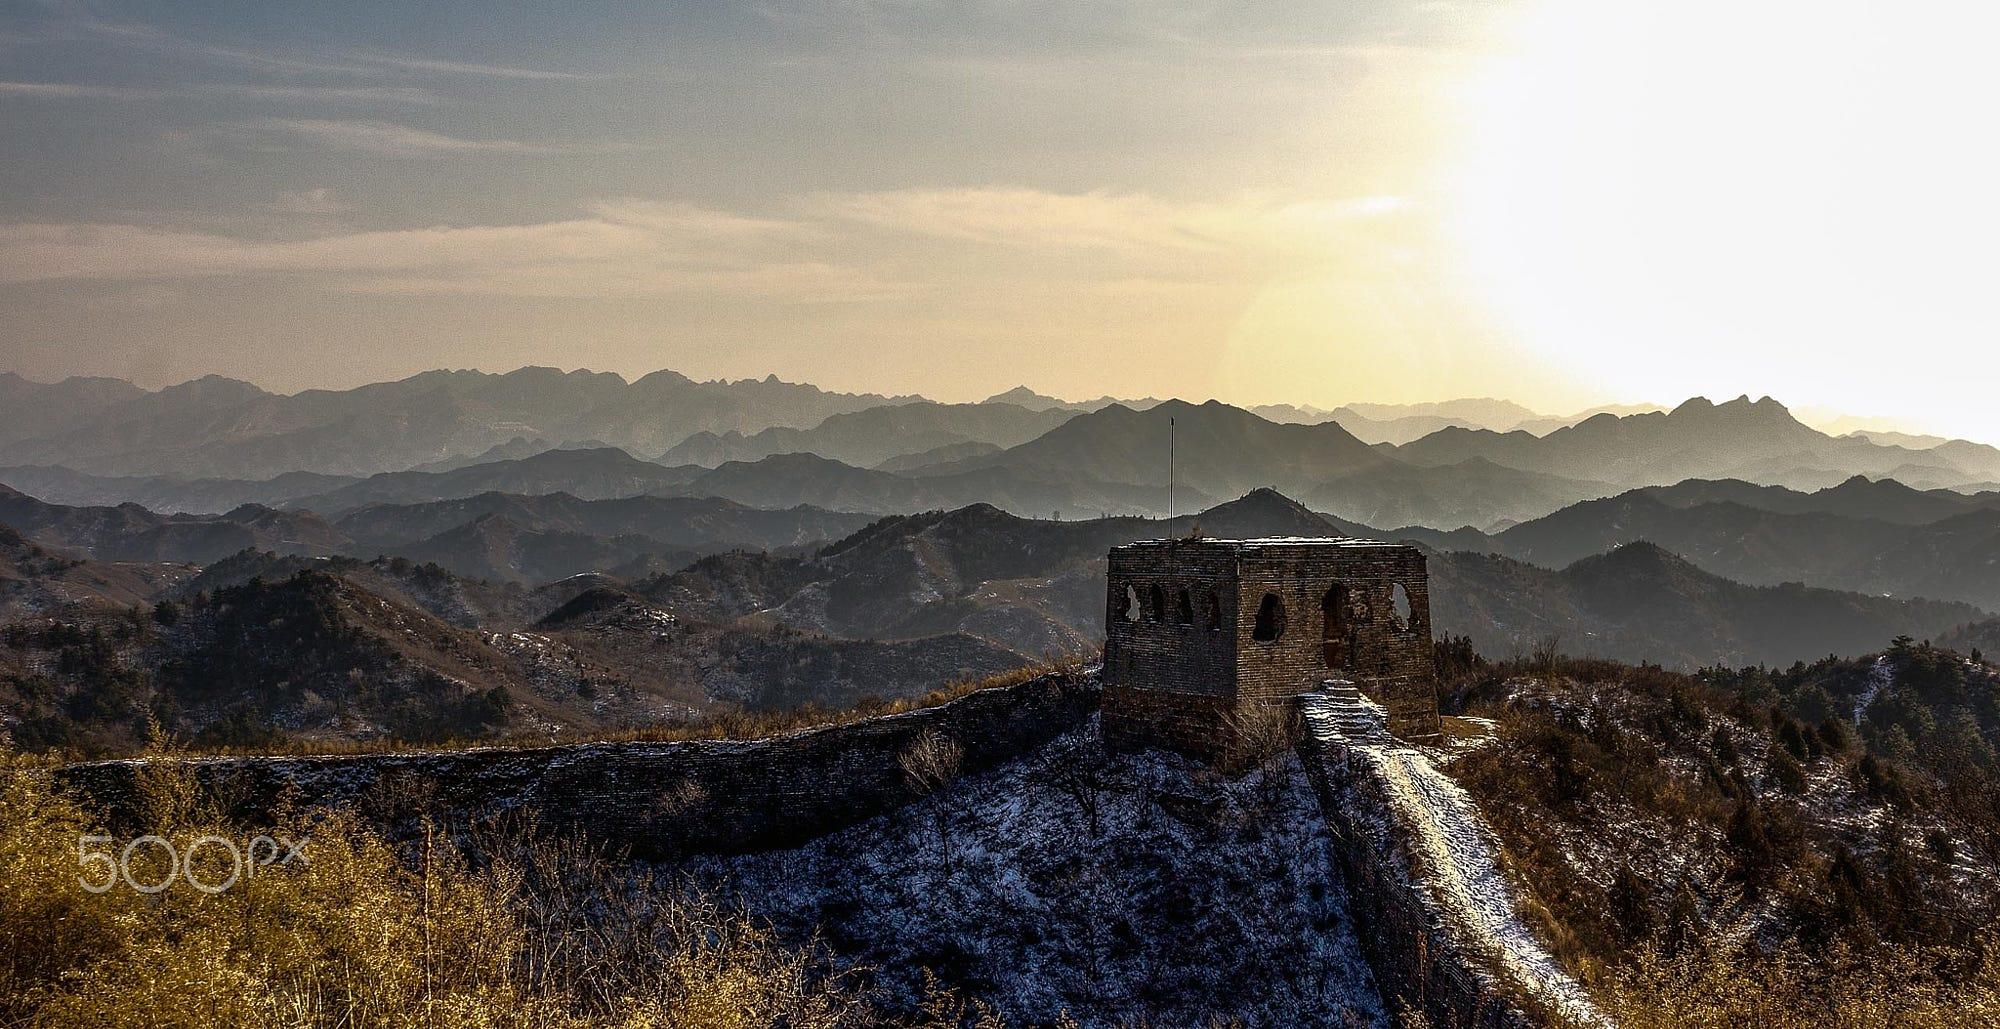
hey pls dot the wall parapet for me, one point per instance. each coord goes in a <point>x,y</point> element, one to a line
<point>1420,956</point>
<point>655,799</point>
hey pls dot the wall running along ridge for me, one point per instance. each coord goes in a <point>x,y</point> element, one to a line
<point>1437,918</point>
<point>657,799</point>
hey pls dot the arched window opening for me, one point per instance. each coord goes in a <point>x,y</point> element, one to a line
<point>1334,626</point>
<point>1128,605</point>
<point>1214,611</point>
<point>1157,611</point>
<point>1184,610</point>
<point>1270,619</point>
<point>1403,611</point>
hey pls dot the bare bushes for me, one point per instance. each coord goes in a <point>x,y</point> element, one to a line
<point>1726,987</point>
<point>514,930</point>
<point>930,763</point>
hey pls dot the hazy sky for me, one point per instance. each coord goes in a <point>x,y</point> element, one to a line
<point>1564,202</point>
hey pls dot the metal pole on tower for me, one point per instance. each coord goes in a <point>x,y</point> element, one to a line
<point>1170,466</point>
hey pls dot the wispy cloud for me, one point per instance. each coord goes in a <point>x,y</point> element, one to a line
<point>1134,225</point>
<point>622,248</point>
<point>344,62</point>
<point>318,94</point>
<point>491,71</point>
<point>318,201</point>
<point>390,138</point>
<point>844,246</point>
<point>62,90</point>
<point>237,90</point>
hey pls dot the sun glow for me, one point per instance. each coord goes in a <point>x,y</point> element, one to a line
<point>1671,197</point>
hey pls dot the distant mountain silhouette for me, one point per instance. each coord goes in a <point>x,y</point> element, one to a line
<point>1833,538</point>
<point>1757,440</point>
<point>497,549</point>
<point>213,427</point>
<point>1040,585</point>
<point>590,474</point>
<point>1293,414</point>
<point>164,493</point>
<point>1474,492</point>
<point>29,408</point>
<point>209,445</point>
<point>1397,424</point>
<point>1022,396</point>
<point>541,539</point>
<point>868,438</point>
<point>785,480</point>
<point>1485,412</point>
<point>129,532</point>
<point>1220,450</point>
<point>1032,584</point>
<point>1858,497</point>
<point>514,449</point>
<point>937,456</point>
<point>1912,441</point>
<point>1396,431</point>
<point>499,536</point>
<point>35,579</point>
<point>1641,603</point>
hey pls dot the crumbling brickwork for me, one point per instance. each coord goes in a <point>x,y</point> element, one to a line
<point>653,799</point>
<point>1199,629</point>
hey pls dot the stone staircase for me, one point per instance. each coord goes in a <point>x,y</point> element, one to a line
<point>1336,712</point>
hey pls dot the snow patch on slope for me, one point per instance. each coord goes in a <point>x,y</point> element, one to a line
<point>1191,899</point>
<point>1880,677</point>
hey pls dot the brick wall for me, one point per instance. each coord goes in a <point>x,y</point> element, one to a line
<point>1389,658</point>
<point>1169,668</point>
<point>658,799</point>
<point>1181,626</point>
<point>1421,961</point>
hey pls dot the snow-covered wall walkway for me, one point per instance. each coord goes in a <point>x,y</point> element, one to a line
<point>1446,930</point>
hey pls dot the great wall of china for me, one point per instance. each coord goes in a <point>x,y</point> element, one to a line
<point>1435,913</point>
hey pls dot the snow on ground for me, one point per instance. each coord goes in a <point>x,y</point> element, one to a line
<point>1881,677</point>
<point>1193,899</point>
<point>1460,860</point>
<point>1455,848</point>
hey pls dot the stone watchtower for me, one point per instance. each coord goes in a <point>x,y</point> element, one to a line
<point>1197,630</point>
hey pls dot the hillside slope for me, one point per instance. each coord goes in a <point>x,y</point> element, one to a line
<point>1734,850</point>
<point>1111,889</point>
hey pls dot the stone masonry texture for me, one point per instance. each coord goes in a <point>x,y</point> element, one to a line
<point>1198,630</point>
<point>1422,962</point>
<point>651,799</point>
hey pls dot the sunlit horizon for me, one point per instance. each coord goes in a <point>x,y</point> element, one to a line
<point>1553,202</point>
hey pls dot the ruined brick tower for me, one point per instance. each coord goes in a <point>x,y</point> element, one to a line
<point>1197,629</point>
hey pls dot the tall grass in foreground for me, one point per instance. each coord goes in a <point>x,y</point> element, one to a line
<point>1727,987</point>
<point>524,932</point>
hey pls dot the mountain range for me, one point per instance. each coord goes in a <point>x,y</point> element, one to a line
<point>1040,585</point>
<point>868,438</point>
<point>1877,537</point>
<point>213,444</point>
<point>497,536</point>
<point>504,613</point>
<point>781,505</point>
<point>222,428</point>
<point>1755,440</point>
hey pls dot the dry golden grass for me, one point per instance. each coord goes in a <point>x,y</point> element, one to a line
<point>1727,988</point>
<point>516,932</point>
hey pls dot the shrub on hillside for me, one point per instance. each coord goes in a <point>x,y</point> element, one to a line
<point>519,932</point>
